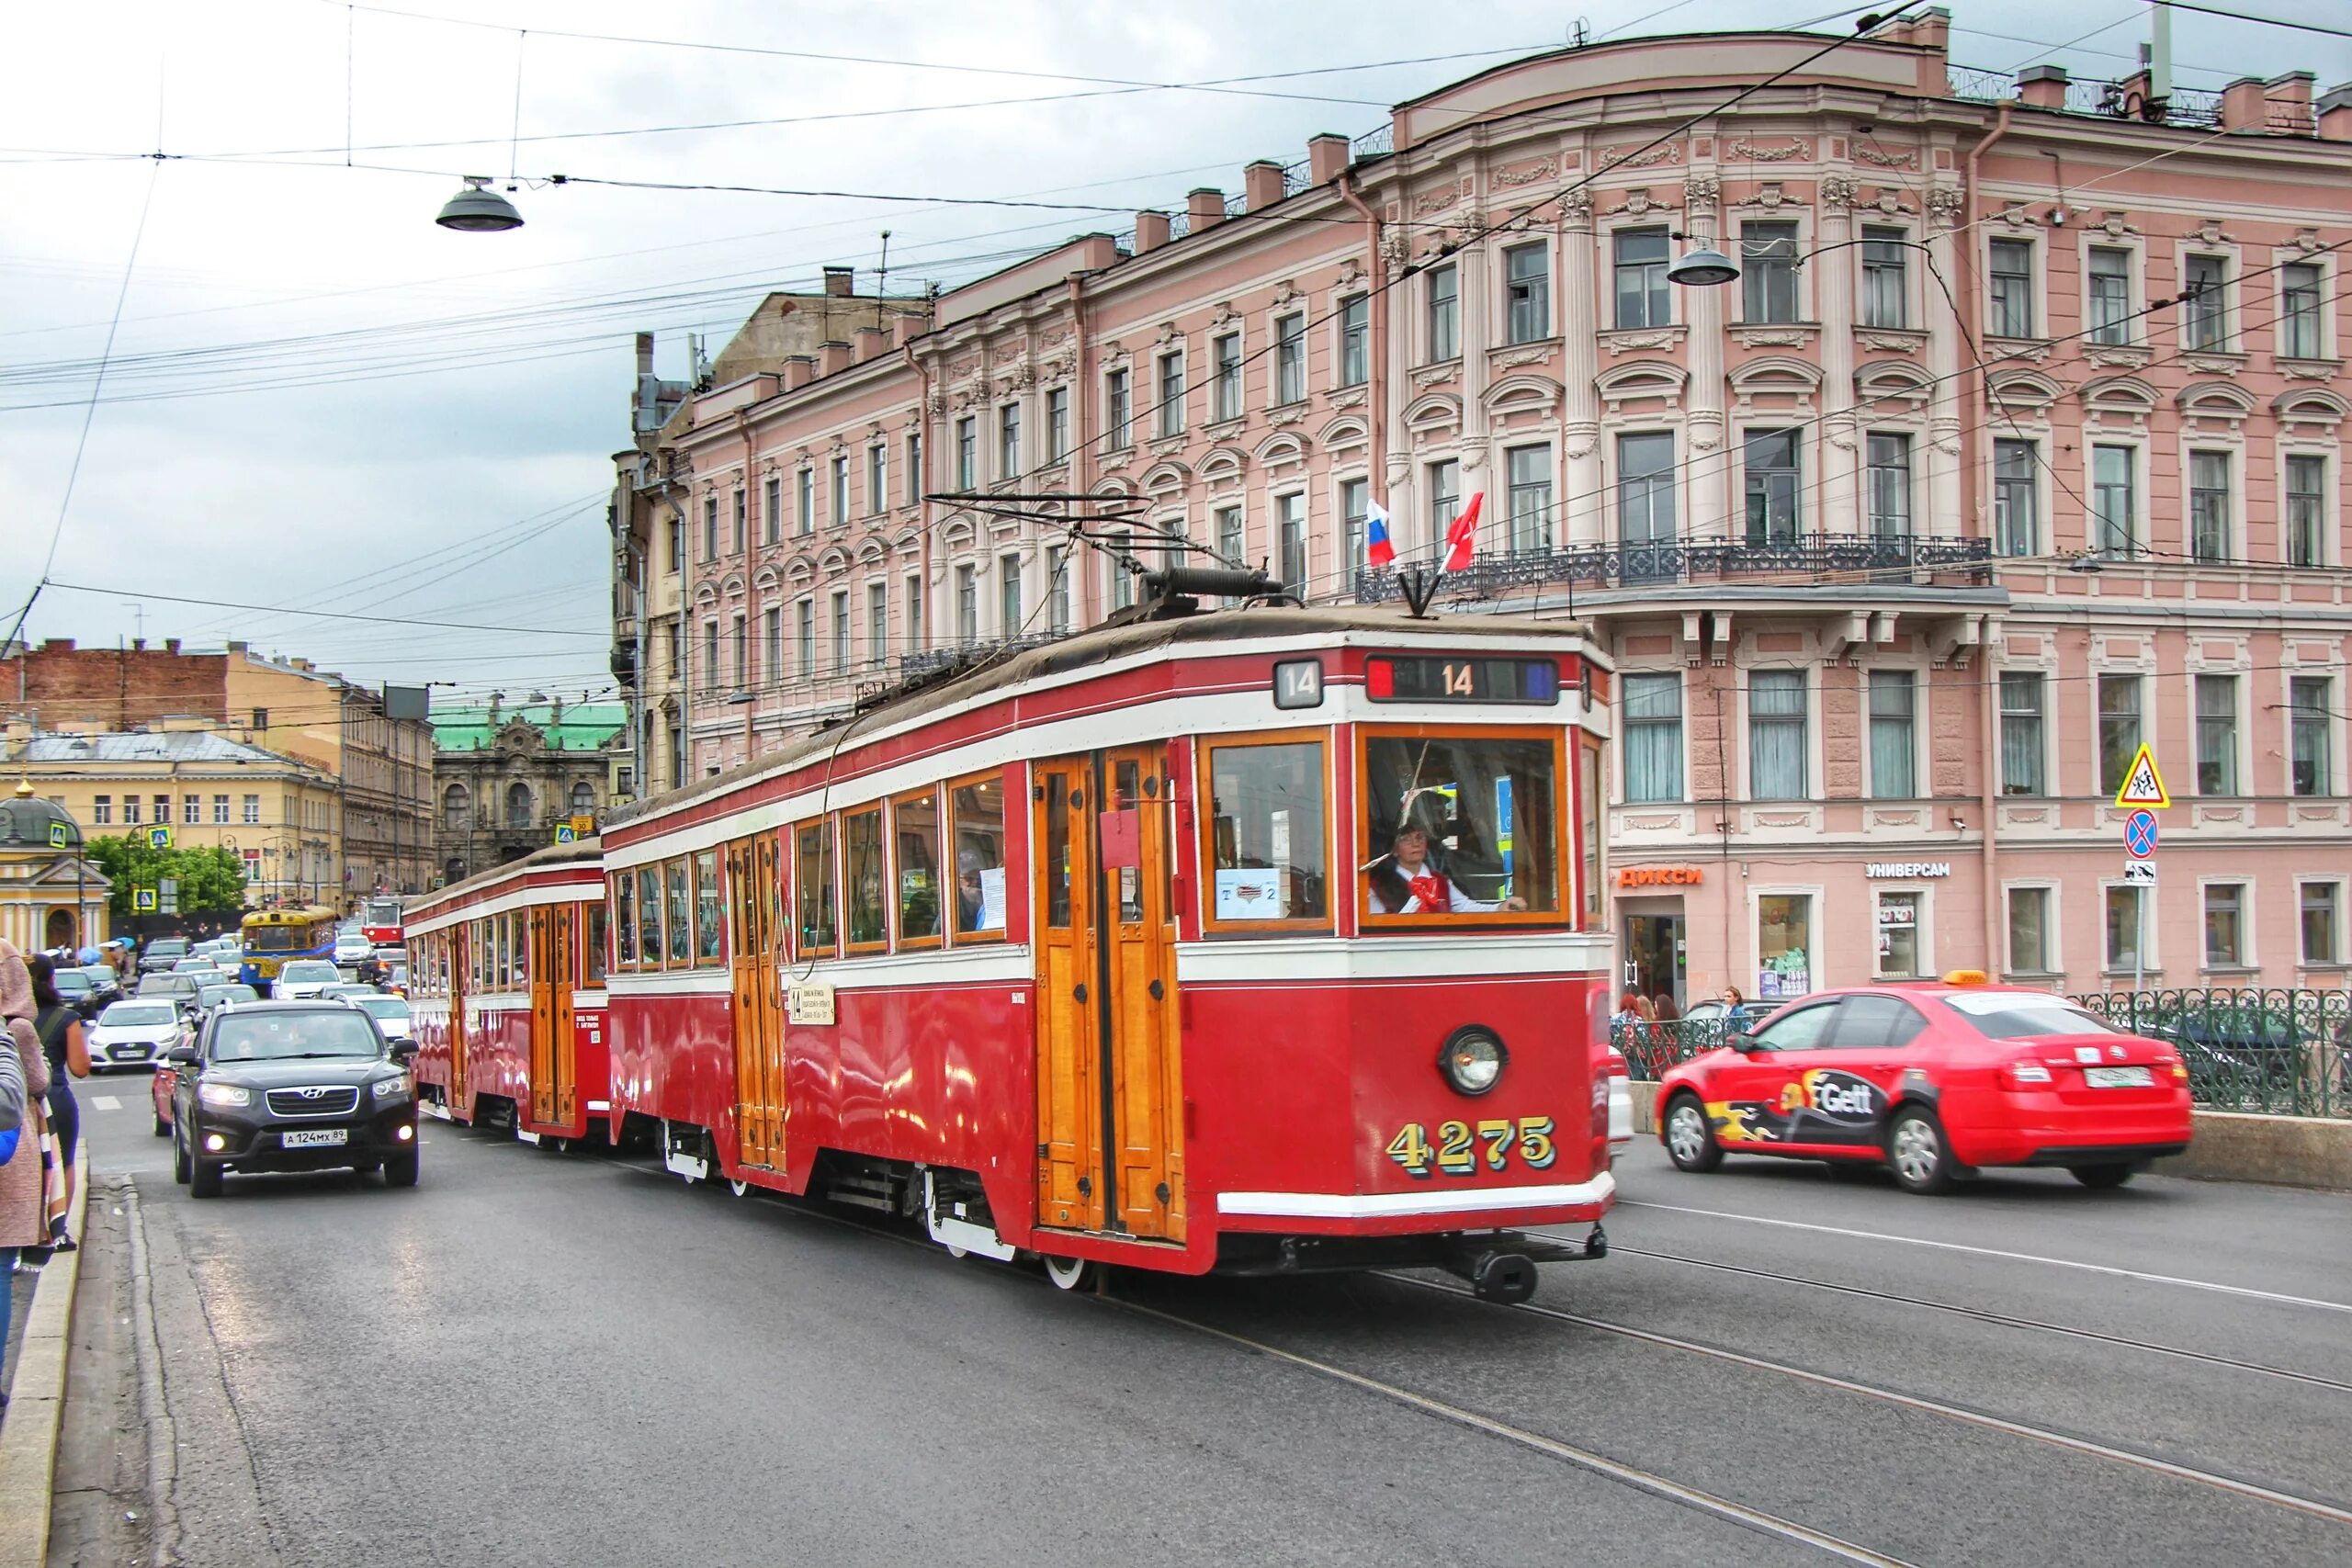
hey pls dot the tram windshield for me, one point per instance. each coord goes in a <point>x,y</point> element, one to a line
<point>1461,825</point>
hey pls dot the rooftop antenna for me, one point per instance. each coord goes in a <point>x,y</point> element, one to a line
<point>2160,54</point>
<point>1579,33</point>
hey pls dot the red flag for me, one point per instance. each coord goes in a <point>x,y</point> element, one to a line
<point>1461,537</point>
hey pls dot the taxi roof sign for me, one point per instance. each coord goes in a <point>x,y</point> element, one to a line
<point>2143,785</point>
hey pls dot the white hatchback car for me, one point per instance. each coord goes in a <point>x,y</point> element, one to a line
<point>132,1034</point>
<point>304,977</point>
<point>352,947</point>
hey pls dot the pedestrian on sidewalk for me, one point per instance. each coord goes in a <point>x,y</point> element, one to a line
<point>24,1206</point>
<point>67,1053</point>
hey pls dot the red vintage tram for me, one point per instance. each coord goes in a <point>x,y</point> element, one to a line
<point>1260,941</point>
<point>506,986</point>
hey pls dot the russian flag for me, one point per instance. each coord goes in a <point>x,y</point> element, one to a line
<point>1377,548</point>
<point>1462,539</point>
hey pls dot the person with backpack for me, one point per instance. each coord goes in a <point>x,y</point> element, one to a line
<point>24,1208</point>
<point>67,1053</point>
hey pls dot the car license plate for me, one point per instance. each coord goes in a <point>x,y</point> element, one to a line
<point>318,1137</point>
<point>2117,1078</point>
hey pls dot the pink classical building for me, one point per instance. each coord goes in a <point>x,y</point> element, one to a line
<point>2016,443</point>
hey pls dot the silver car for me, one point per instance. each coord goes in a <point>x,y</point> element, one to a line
<point>133,1033</point>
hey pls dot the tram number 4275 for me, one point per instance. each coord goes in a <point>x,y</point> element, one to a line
<point>1457,1151</point>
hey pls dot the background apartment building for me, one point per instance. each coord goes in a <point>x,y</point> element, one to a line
<point>2014,444</point>
<point>371,745</point>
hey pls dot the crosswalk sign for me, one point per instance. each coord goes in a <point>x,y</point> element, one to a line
<point>2143,785</point>
<point>565,833</point>
<point>143,900</point>
<point>58,837</point>
<point>159,837</point>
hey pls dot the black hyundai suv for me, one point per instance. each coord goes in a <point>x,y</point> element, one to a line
<point>292,1086</point>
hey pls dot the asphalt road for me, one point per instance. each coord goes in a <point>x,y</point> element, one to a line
<point>562,1359</point>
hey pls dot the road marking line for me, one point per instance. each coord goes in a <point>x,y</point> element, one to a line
<point>1584,1459</point>
<point>1932,1406</point>
<point>106,1102</point>
<point>2112,1272</point>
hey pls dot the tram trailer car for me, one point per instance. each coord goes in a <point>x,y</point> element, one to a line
<point>1261,940</point>
<point>506,972</point>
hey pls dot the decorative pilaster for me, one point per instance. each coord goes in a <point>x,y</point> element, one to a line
<point>1833,285</point>
<point>1942,456</point>
<point>1713,474</point>
<point>1584,522</point>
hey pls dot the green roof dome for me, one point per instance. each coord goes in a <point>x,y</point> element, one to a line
<point>27,822</point>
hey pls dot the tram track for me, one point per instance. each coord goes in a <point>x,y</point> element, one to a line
<point>1651,1482</point>
<point>1984,1420</point>
<point>1998,1319</point>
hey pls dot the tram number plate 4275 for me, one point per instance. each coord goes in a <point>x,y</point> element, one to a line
<point>1462,1148</point>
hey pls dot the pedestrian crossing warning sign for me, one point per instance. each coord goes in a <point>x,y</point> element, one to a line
<point>565,833</point>
<point>2143,785</point>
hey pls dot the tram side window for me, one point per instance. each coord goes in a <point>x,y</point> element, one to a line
<point>649,915</point>
<point>706,940</point>
<point>1460,824</point>
<point>977,818</point>
<point>916,820</point>
<point>1267,859</point>
<point>679,932</point>
<point>592,953</point>
<point>519,937</point>
<point>813,889</point>
<point>1588,827</point>
<point>862,874</point>
<point>624,920</point>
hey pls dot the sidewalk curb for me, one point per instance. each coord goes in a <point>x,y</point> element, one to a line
<point>37,1400</point>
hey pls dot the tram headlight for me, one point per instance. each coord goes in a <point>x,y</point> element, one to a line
<point>1473,1059</point>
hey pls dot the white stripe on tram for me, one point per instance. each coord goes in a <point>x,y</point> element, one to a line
<point>1390,1205</point>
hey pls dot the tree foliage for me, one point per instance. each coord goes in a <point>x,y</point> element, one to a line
<point>213,878</point>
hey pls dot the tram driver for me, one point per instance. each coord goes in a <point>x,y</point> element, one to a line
<point>1407,881</point>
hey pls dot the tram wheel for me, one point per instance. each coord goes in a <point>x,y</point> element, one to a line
<point>1070,1273</point>
<point>741,1188</point>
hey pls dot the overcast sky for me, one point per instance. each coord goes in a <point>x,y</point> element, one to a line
<point>318,399</point>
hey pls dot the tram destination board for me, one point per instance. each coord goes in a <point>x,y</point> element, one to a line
<point>1435,678</point>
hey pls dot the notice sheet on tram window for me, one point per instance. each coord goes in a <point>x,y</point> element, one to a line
<point>1249,893</point>
<point>991,899</point>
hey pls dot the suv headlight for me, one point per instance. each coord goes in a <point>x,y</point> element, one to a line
<point>224,1094</point>
<point>389,1090</point>
<point>1472,1060</point>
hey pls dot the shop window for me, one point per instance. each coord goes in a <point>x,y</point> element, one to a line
<point>976,814</point>
<point>2123,928</point>
<point>2318,911</point>
<point>915,819</point>
<point>1898,935</point>
<point>1783,945</point>
<point>1461,825</point>
<point>1267,834</point>
<point>2030,930</point>
<point>2224,925</point>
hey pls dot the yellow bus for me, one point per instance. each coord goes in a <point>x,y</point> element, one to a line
<point>273,937</point>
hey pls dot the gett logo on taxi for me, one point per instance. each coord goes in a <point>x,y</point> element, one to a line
<point>1839,1096</point>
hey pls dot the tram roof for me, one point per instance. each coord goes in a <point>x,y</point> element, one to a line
<point>1106,643</point>
<point>589,848</point>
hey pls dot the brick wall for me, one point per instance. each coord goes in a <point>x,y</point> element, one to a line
<point>115,688</point>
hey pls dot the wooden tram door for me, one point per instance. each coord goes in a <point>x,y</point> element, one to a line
<point>555,1070</point>
<point>1108,1071</point>
<point>460,955</point>
<point>755,917</point>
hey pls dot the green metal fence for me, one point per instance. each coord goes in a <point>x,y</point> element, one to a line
<point>1650,1048</point>
<point>2287,1053</point>
<point>2283,1052</point>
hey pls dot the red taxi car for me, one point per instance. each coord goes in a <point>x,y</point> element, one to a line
<point>1932,1079</point>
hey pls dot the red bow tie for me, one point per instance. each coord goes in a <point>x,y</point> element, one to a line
<point>1431,890</point>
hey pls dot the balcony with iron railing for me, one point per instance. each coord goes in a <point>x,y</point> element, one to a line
<point>2190,109</point>
<point>1864,559</point>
